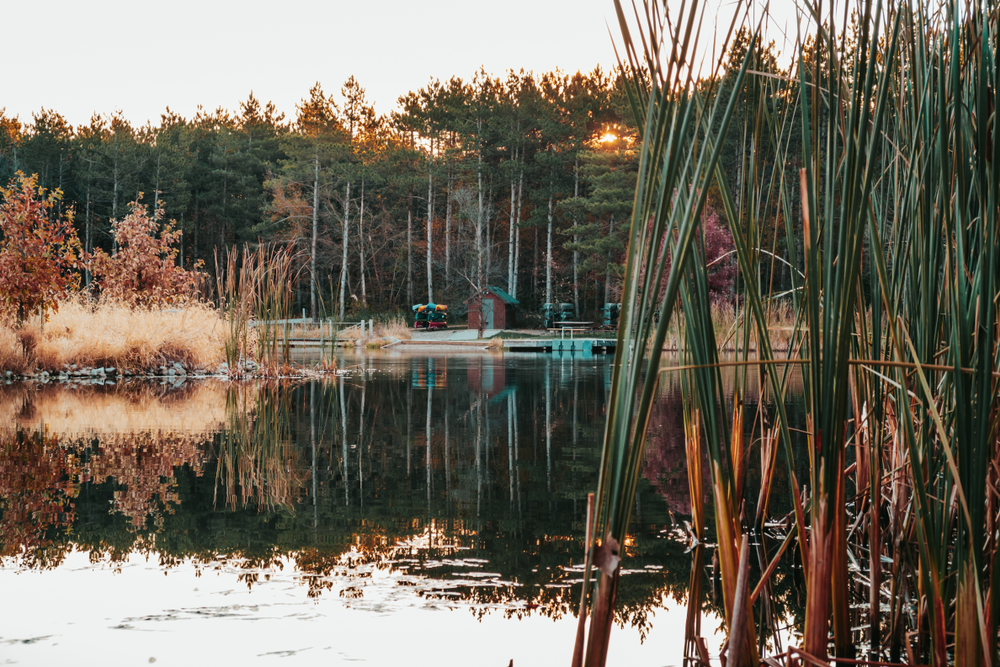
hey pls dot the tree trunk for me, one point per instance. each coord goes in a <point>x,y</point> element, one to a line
<point>196,226</point>
<point>343,262</point>
<point>361,246</point>
<point>607,267</point>
<point>86,241</point>
<point>156,186</point>
<point>430,225</point>
<point>447,233</point>
<point>409,249</point>
<point>114,212</point>
<point>534,264</point>
<point>517,233</point>
<point>479,214</point>
<point>222,208</point>
<point>510,236</point>
<point>576,239</point>
<point>548,246</point>
<point>315,235</point>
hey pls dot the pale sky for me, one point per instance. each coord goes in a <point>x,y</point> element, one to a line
<point>79,57</point>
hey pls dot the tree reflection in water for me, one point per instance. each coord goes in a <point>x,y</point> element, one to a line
<point>463,479</point>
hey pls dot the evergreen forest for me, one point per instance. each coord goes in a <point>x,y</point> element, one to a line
<point>525,183</point>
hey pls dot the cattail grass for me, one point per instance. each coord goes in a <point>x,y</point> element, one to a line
<point>255,291</point>
<point>876,156</point>
<point>669,202</point>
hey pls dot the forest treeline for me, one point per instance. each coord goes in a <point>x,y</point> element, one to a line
<point>524,182</point>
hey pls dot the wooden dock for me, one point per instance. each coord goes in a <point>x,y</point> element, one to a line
<point>306,332</point>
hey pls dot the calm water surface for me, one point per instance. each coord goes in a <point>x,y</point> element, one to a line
<point>417,510</point>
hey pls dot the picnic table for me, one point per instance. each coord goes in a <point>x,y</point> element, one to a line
<point>571,327</point>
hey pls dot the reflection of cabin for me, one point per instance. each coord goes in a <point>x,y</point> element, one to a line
<point>494,307</point>
<point>487,377</point>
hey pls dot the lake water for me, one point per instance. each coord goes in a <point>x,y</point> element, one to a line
<point>415,510</point>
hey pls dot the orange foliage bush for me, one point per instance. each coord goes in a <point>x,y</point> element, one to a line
<point>38,251</point>
<point>143,272</point>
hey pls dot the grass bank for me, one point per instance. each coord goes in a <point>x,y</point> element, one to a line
<point>384,328</point>
<point>111,334</point>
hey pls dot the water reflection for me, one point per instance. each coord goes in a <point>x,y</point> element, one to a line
<point>455,480</point>
<point>61,442</point>
<point>465,478</point>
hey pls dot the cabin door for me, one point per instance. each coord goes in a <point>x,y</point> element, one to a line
<point>487,314</point>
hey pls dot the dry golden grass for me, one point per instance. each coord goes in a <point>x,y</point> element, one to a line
<point>729,325</point>
<point>116,335</point>
<point>12,356</point>
<point>395,327</point>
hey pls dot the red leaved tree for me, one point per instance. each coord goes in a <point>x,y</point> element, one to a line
<point>719,257</point>
<point>144,271</point>
<point>39,249</point>
<point>717,254</point>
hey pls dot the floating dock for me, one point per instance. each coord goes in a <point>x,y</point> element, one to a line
<point>583,346</point>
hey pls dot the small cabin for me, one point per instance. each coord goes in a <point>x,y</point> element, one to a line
<point>494,308</point>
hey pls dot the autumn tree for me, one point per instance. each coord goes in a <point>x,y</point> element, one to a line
<point>143,271</point>
<point>39,250</point>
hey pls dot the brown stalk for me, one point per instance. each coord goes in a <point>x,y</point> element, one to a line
<point>692,446</point>
<point>803,361</point>
<point>603,617</point>
<point>738,637</point>
<point>874,544</point>
<point>729,531</point>
<point>839,595</point>
<point>818,587</point>
<point>581,626</point>
<point>693,641</point>
<point>738,454</point>
<point>968,644</point>
<point>768,457</point>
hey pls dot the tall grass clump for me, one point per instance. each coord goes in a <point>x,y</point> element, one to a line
<point>875,155</point>
<point>670,106</point>
<point>255,291</point>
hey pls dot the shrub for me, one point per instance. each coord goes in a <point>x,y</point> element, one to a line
<point>143,271</point>
<point>39,250</point>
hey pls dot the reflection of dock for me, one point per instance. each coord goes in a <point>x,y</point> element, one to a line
<point>477,344</point>
<point>564,345</point>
